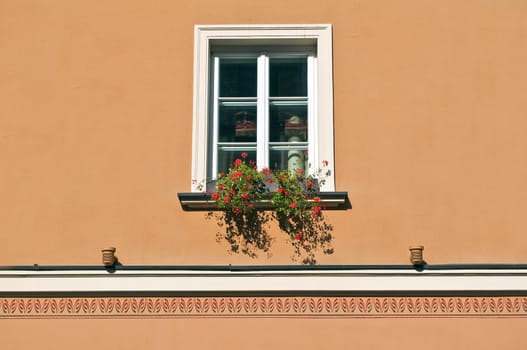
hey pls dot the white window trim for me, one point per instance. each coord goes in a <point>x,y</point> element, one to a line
<point>205,34</point>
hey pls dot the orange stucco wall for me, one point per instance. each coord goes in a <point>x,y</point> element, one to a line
<point>96,116</point>
<point>264,334</point>
<point>95,143</point>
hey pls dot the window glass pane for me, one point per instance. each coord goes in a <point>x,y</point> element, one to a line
<point>227,156</point>
<point>288,121</point>
<point>237,122</point>
<point>288,77</point>
<point>292,159</point>
<point>237,77</point>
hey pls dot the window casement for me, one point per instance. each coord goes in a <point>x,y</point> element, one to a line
<point>264,90</point>
<point>262,105</point>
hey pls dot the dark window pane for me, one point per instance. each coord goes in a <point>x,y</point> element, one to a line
<point>237,122</point>
<point>288,121</point>
<point>288,77</point>
<point>226,158</point>
<point>291,160</point>
<point>238,77</point>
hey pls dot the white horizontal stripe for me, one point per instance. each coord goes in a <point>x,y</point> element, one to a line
<point>263,281</point>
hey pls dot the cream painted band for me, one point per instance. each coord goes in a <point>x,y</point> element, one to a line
<point>263,281</point>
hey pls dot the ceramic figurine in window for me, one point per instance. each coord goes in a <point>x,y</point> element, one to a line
<point>295,129</point>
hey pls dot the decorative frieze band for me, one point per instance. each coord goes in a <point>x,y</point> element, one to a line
<point>123,307</point>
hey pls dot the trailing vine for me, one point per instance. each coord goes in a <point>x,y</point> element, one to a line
<point>297,210</point>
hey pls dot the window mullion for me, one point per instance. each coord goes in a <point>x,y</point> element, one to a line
<point>312,114</point>
<point>262,137</point>
<point>215,115</point>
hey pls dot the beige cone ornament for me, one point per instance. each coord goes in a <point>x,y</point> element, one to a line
<point>416,254</point>
<point>108,256</point>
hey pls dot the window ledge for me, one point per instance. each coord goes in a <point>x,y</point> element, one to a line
<point>195,201</point>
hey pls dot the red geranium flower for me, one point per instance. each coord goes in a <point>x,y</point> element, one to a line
<point>237,162</point>
<point>292,205</point>
<point>298,236</point>
<point>215,196</point>
<point>316,211</point>
<point>227,199</point>
<point>244,154</point>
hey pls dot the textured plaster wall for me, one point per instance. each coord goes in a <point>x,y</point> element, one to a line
<point>96,118</point>
<point>264,334</point>
<point>95,143</point>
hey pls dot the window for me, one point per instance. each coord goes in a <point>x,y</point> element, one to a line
<point>264,90</point>
<point>262,105</point>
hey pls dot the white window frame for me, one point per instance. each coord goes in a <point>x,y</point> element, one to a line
<point>320,34</point>
<point>263,144</point>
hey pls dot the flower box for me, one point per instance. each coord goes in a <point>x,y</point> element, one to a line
<point>200,201</point>
<point>240,198</point>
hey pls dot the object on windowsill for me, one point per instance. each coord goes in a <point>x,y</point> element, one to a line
<point>245,125</point>
<point>199,201</point>
<point>295,126</point>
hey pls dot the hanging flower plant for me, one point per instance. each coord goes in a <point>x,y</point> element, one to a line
<point>297,210</point>
<point>236,194</point>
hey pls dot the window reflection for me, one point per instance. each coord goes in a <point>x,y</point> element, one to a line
<point>237,77</point>
<point>237,123</point>
<point>288,77</point>
<point>288,121</point>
